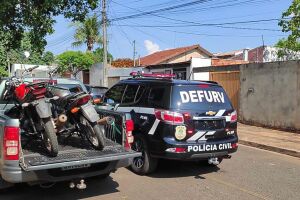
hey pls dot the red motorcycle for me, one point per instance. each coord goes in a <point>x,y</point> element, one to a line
<point>34,109</point>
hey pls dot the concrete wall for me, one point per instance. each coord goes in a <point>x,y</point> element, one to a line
<point>96,74</point>
<point>200,62</point>
<point>270,94</point>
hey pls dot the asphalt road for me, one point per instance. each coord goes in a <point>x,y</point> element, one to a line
<point>250,174</point>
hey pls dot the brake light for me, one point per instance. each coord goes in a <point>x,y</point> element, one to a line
<point>234,145</point>
<point>84,100</point>
<point>11,143</point>
<point>203,86</point>
<point>129,137</point>
<point>169,116</point>
<point>233,117</point>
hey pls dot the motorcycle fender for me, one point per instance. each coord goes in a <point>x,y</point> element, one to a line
<point>89,112</point>
<point>43,108</point>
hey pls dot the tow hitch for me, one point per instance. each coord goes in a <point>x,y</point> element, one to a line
<point>81,185</point>
<point>213,161</point>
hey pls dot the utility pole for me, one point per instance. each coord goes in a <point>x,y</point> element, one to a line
<point>104,79</point>
<point>134,53</point>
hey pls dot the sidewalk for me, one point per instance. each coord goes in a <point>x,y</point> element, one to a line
<point>273,140</point>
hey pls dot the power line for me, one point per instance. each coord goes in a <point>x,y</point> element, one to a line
<point>159,10</point>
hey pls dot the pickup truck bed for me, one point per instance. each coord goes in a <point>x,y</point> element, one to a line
<point>70,149</point>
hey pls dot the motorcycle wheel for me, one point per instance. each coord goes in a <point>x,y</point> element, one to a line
<point>94,134</point>
<point>50,138</point>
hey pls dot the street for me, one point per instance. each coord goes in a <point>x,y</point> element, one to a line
<point>250,174</point>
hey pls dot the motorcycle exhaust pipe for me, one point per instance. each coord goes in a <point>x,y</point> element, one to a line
<point>60,121</point>
<point>106,121</point>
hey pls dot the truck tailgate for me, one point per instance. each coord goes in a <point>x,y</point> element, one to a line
<point>74,152</point>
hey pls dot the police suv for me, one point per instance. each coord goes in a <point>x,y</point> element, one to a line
<point>176,119</point>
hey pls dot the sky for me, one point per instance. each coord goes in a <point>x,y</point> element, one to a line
<point>216,25</point>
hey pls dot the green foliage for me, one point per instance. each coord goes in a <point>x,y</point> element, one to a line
<point>87,32</point>
<point>36,17</point>
<point>17,55</point>
<point>98,56</point>
<point>290,22</point>
<point>74,61</point>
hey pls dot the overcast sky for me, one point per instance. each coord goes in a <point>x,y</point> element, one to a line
<point>217,25</point>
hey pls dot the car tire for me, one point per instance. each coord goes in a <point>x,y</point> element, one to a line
<point>145,164</point>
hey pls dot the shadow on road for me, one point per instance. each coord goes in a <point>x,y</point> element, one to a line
<point>173,169</point>
<point>95,187</point>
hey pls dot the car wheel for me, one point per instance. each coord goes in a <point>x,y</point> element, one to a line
<point>145,164</point>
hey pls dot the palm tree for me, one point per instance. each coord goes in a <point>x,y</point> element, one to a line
<point>88,33</point>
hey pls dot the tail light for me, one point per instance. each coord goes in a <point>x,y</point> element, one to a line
<point>11,143</point>
<point>176,150</point>
<point>169,116</point>
<point>84,100</point>
<point>233,117</point>
<point>129,136</point>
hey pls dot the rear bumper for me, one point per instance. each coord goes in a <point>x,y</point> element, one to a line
<point>198,151</point>
<point>18,175</point>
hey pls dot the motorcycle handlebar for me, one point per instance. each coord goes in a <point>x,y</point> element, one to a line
<point>32,68</point>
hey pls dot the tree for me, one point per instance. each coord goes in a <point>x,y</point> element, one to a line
<point>17,55</point>
<point>87,32</point>
<point>98,56</point>
<point>36,17</point>
<point>74,62</point>
<point>290,22</point>
<point>122,62</point>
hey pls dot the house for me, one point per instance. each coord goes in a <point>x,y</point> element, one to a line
<point>259,54</point>
<point>175,60</point>
<point>176,55</point>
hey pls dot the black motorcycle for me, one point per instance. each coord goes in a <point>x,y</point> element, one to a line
<point>74,113</point>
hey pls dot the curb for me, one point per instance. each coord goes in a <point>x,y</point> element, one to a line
<point>271,148</point>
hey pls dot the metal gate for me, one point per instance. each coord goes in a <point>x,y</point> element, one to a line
<point>230,81</point>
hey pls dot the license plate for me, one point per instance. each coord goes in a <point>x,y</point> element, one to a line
<point>209,147</point>
<point>75,167</point>
<point>90,113</point>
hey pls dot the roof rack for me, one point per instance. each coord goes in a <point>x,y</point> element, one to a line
<point>140,74</point>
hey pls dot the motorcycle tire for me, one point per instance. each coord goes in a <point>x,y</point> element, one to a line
<point>94,134</point>
<point>50,138</point>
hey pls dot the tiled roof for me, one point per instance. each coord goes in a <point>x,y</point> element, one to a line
<point>161,56</point>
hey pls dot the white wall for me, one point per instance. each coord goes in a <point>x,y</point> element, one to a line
<point>41,71</point>
<point>200,62</point>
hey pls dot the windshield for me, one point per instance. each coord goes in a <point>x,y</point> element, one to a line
<point>71,87</point>
<point>96,90</point>
<point>200,97</point>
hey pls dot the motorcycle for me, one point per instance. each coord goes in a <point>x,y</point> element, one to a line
<point>74,113</point>
<point>34,109</point>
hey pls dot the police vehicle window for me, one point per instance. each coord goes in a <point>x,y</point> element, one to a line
<point>130,93</point>
<point>159,97</point>
<point>114,95</point>
<point>202,97</point>
<point>139,93</point>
